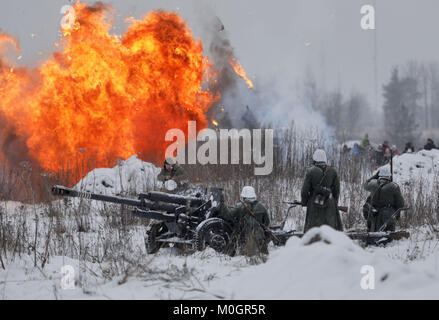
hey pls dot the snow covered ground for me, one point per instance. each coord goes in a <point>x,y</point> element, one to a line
<point>325,264</point>
<point>421,166</point>
<point>130,176</point>
<point>330,268</point>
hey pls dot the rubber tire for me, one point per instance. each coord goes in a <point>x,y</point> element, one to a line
<point>214,224</point>
<point>152,246</point>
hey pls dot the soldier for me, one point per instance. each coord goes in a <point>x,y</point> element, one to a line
<point>320,193</point>
<point>247,232</point>
<point>409,148</point>
<point>172,171</point>
<point>384,200</point>
<point>430,145</point>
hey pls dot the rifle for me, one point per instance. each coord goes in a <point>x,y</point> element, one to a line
<point>298,203</point>
<point>378,238</point>
<point>264,227</point>
<point>393,216</point>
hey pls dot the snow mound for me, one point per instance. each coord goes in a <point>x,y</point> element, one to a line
<point>130,176</point>
<point>332,267</point>
<point>421,166</point>
<point>326,234</point>
<point>324,264</point>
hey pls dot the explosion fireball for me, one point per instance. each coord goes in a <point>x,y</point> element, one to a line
<point>113,96</point>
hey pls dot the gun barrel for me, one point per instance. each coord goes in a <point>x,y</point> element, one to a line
<point>67,192</point>
<point>151,214</point>
<point>172,198</point>
<point>139,203</point>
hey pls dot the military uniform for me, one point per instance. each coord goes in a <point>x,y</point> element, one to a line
<point>315,215</point>
<point>386,198</point>
<point>177,174</point>
<point>248,234</point>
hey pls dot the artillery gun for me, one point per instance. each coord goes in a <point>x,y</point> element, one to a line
<point>184,221</point>
<point>195,221</point>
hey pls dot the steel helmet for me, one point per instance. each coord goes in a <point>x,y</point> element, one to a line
<point>385,172</point>
<point>319,156</point>
<point>248,193</point>
<point>170,161</point>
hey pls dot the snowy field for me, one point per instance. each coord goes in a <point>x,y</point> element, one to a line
<point>103,262</point>
<point>420,166</point>
<point>407,269</point>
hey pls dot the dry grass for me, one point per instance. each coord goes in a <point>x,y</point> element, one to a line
<point>110,237</point>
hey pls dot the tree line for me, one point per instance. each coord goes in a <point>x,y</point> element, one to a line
<point>409,112</point>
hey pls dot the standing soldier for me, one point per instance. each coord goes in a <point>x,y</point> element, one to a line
<point>173,175</point>
<point>246,218</point>
<point>384,200</point>
<point>320,193</point>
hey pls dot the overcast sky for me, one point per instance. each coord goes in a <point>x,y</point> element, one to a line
<point>272,39</point>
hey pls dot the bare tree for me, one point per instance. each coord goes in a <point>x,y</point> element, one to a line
<point>400,106</point>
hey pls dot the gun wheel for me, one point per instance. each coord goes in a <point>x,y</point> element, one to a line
<point>151,243</point>
<point>216,234</point>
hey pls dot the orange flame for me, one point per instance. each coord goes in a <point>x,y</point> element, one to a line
<point>113,96</point>
<point>240,71</point>
<point>5,38</point>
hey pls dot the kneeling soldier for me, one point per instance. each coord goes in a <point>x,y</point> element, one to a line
<point>384,200</point>
<point>172,171</point>
<point>246,218</point>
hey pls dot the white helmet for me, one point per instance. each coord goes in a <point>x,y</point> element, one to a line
<point>248,193</point>
<point>170,161</point>
<point>385,172</point>
<point>319,156</point>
